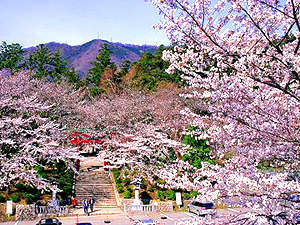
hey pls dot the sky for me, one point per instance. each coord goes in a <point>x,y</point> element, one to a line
<point>32,22</point>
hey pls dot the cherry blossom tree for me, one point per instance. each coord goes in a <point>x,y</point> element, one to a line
<point>28,136</point>
<point>123,112</point>
<point>241,60</point>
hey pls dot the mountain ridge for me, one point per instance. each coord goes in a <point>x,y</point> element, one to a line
<point>81,56</point>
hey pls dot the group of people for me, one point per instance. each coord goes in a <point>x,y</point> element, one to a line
<point>88,203</point>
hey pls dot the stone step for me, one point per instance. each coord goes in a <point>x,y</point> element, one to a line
<point>98,191</point>
<point>91,191</point>
<point>91,177</point>
<point>104,190</point>
<point>105,204</point>
<point>96,180</point>
<point>87,175</point>
<point>91,188</point>
<point>89,184</point>
<point>97,198</point>
<point>98,175</point>
<point>100,184</point>
<point>95,192</point>
<point>97,185</point>
<point>94,185</point>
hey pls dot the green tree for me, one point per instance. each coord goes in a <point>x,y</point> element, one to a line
<point>11,57</point>
<point>39,61</point>
<point>72,77</point>
<point>59,66</point>
<point>199,150</point>
<point>151,70</point>
<point>52,66</point>
<point>170,195</point>
<point>99,65</point>
<point>160,195</point>
<point>124,69</point>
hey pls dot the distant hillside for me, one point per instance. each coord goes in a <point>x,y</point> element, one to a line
<point>81,56</point>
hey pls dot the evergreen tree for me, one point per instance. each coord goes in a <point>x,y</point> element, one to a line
<point>52,66</point>
<point>59,66</point>
<point>151,69</point>
<point>72,77</point>
<point>99,65</point>
<point>39,61</point>
<point>11,57</point>
<point>126,64</point>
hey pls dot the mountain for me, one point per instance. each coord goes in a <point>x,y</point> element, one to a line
<point>81,56</point>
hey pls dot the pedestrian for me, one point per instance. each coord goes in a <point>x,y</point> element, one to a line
<point>85,204</point>
<point>91,203</point>
<point>74,202</point>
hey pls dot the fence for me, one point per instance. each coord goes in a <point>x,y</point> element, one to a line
<point>142,208</point>
<point>194,221</point>
<point>50,210</point>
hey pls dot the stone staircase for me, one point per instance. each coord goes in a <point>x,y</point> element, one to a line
<point>95,184</point>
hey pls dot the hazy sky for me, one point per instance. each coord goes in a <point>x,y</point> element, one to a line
<point>31,22</point>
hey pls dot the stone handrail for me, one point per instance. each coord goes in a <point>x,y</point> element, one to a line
<point>142,208</point>
<point>50,210</point>
<point>194,221</point>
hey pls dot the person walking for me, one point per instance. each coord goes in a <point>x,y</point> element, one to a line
<point>74,202</point>
<point>91,203</point>
<point>85,204</point>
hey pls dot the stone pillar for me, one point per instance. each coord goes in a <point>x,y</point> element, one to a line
<point>54,194</point>
<point>136,201</point>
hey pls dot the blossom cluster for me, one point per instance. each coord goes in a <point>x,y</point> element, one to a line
<point>241,60</point>
<point>28,137</point>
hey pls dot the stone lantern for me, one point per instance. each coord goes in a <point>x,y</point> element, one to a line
<point>137,182</point>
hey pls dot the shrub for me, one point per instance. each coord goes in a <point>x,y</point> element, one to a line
<point>120,188</point>
<point>127,194</point>
<point>95,91</point>
<point>158,183</point>
<point>160,195</point>
<point>116,173</point>
<point>186,196</point>
<point>127,187</point>
<point>15,197</point>
<point>150,189</point>
<point>144,184</point>
<point>145,197</point>
<point>29,198</point>
<point>19,186</point>
<point>170,194</point>
<point>2,198</point>
<point>65,183</point>
<point>118,180</point>
<point>193,194</point>
<point>127,181</point>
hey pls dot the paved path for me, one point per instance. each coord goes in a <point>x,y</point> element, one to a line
<point>100,211</point>
<point>163,218</point>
